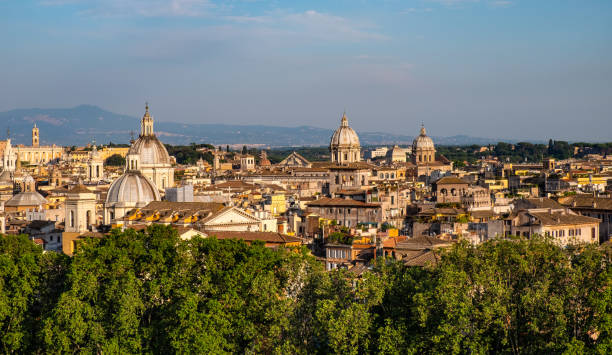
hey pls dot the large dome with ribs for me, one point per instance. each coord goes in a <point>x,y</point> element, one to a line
<point>344,136</point>
<point>132,187</point>
<point>150,150</point>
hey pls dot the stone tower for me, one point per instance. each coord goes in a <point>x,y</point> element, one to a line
<point>80,209</point>
<point>35,137</point>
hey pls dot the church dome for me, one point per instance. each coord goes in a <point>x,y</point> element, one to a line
<point>150,151</point>
<point>422,142</point>
<point>132,187</point>
<point>26,198</point>
<point>344,136</point>
<point>148,148</point>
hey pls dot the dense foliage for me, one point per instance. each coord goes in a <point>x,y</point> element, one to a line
<point>150,292</point>
<point>115,160</point>
<point>310,153</point>
<point>190,154</point>
<point>523,151</point>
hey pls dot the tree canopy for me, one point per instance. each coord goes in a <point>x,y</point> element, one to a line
<point>151,292</point>
<point>115,160</point>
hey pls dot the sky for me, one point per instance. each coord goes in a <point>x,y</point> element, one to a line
<point>510,69</point>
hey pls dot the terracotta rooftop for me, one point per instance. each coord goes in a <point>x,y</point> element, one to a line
<point>341,202</point>
<point>422,242</point>
<point>268,237</point>
<point>587,201</point>
<point>562,219</point>
<point>450,180</point>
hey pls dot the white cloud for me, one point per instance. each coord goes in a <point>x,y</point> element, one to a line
<point>412,10</point>
<point>145,8</point>
<point>453,2</point>
<point>501,3</point>
<point>309,24</point>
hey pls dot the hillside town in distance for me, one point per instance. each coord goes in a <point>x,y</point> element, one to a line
<point>407,203</point>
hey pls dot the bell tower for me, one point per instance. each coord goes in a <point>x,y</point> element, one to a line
<point>35,137</point>
<point>80,208</point>
<point>95,165</point>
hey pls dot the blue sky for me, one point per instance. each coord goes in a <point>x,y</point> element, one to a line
<point>523,69</point>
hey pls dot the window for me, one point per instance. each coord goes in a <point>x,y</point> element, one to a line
<point>71,218</point>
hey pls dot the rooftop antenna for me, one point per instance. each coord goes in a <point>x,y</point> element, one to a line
<point>131,136</point>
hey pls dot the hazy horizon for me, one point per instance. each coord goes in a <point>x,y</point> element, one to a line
<point>516,70</point>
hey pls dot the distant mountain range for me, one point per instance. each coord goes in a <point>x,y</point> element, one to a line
<point>79,125</point>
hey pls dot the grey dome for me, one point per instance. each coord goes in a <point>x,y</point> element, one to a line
<point>344,136</point>
<point>132,187</point>
<point>150,151</point>
<point>422,142</point>
<point>28,198</point>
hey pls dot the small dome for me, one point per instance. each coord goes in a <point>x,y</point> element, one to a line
<point>132,187</point>
<point>422,142</point>
<point>344,136</point>
<point>150,150</point>
<point>26,198</point>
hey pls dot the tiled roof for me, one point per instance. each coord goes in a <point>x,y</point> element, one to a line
<point>587,201</point>
<point>268,237</point>
<point>424,258</point>
<point>538,202</point>
<point>79,189</point>
<point>422,242</point>
<point>562,219</point>
<point>340,202</point>
<point>450,180</point>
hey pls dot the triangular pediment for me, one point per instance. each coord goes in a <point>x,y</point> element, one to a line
<point>294,160</point>
<point>230,215</point>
